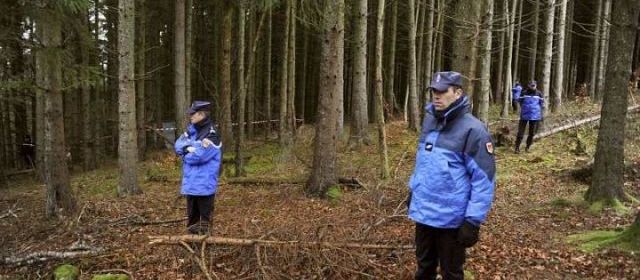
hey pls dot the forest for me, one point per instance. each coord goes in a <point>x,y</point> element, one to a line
<point>318,114</point>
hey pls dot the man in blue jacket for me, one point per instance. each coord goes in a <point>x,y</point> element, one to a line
<point>531,105</point>
<point>451,188</point>
<point>515,96</point>
<point>200,150</point>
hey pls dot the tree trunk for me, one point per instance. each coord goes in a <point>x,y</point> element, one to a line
<point>49,67</point>
<point>291,73</point>
<point>324,173</point>
<point>127,147</point>
<point>188,53</point>
<point>485,64</point>
<point>360,117</point>
<point>440,36</point>
<point>283,132</point>
<point>389,86</point>
<point>428,64</point>
<point>608,172</point>
<point>534,42</point>
<point>501,48</point>
<point>510,18</point>
<point>593,82</point>
<point>548,54</point>
<point>516,56</point>
<point>179,64</point>
<point>242,94</point>
<point>559,71</point>
<point>414,113</point>
<point>88,116</point>
<point>382,133</point>
<point>421,11</point>
<point>141,79</point>
<point>604,50</point>
<point>267,87</point>
<point>225,93</point>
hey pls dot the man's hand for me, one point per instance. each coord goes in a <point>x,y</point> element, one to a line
<point>191,149</point>
<point>206,143</point>
<point>468,234</point>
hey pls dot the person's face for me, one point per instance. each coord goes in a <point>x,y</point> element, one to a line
<point>442,99</point>
<point>197,117</point>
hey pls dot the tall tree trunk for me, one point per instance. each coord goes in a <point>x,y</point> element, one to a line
<point>324,173</point>
<point>604,49</point>
<point>534,42</point>
<point>485,64</point>
<point>188,53</point>
<point>49,67</point>
<point>242,94</point>
<point>141,79</point>
<point>283,132</point>
<point>428,64</point>
<point>466,14</point>
<point>360,117</point>
<point>225,93</point>
<point>608,171</point>
<point>548,53</point>
<point>595,55</point>
<point>88,118</point>
<point>559,71</point>
<point>506,97</point>
<point>179,64</point>
<point>127,147</point>
<point>267,87</point>
<point>516,56</point>
<point>421,11</point>
<point>440,36</point>
<point>414,114</point>
<point>291,73</point>
<point>389,85</point>
<point>501,48</point>
<point>382,133</point>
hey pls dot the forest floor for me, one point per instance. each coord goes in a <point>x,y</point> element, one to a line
<point>537,206</point>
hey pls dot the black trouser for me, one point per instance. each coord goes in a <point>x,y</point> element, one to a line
<point>533,127</point>
<point>199,208</point>
<point>437,245</point>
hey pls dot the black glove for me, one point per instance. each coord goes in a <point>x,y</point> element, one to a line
<point>409,201</point>
<point>468,234</point>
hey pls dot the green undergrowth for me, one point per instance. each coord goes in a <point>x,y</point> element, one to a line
<point>597,207</point>
<point>626,240</point>
<point>66,272</point>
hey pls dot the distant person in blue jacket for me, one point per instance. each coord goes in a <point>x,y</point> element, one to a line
<point>200,150</point>
<point>531,108</point>
<point>451,188</point>
<point>515,96</point>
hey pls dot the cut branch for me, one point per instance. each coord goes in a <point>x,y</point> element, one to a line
<point>345,181</point>
<point>48,255</point>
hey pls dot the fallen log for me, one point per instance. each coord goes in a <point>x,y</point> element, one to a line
<point>177,239</point>
<point>572,124</point>
<point>48,255</point>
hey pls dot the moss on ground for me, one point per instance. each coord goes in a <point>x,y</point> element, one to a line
<point>627,240</point>
<point>66,272</point>
<point>110,277</point>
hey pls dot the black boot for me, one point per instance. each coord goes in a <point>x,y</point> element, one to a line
<point>518,141</point>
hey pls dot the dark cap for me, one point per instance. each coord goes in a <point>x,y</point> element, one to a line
<point>443,80</point>
<point>198,106</point>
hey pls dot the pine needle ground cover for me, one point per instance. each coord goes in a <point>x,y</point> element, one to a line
<point>537,206</point>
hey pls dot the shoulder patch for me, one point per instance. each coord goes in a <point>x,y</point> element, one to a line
<point>489,148</point>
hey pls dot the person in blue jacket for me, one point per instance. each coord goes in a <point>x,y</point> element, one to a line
<point>200,149</point>
<point>531,108</point>
<point>451,188</point>
<point>515,96</point>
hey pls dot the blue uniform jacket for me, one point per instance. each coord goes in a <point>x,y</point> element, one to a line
<point>515,93</point>
<point>454,177</point>
<point>531,104</point>
<point>200,169</point>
